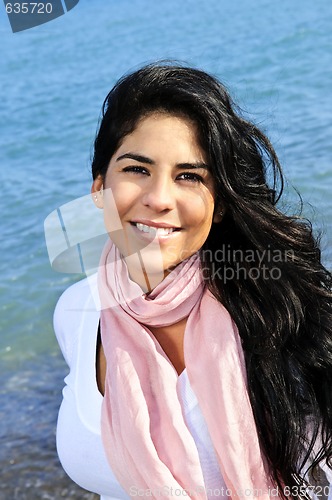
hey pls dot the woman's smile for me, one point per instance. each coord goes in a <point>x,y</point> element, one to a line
<point>151,230</point>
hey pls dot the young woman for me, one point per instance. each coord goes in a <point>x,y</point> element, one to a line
<point>201,354</point>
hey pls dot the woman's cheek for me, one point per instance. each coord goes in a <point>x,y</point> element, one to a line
<point>112,211</point>
<point>121,197</point>
<point>199,211</point>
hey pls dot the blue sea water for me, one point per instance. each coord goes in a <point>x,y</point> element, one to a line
<point>275,57</point>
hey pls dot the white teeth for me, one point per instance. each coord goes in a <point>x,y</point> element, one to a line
<point>156,231</point>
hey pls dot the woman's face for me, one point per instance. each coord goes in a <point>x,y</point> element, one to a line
<point>163,191</point>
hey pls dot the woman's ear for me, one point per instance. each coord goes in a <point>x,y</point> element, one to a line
<point>97,192</point>
<point>218,215</point>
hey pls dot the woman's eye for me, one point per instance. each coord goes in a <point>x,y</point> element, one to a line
<point>135,169</point>
<point>189,176</point>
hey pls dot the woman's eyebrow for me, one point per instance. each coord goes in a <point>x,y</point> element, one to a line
<point>136,157</point>
<point>144,159</point>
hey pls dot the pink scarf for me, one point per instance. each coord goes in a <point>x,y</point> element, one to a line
<point>147,442</point>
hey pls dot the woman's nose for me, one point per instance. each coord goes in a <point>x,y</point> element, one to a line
<point>159,195</point>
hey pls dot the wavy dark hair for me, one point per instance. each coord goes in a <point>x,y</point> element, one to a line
<point>276,289</point>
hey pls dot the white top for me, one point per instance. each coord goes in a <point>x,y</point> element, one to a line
<point>79,444</point>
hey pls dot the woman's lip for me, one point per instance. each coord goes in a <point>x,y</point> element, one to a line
<point>151,223</point>
<point>153,237</point>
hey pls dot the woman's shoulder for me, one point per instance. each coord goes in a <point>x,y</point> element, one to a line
<point>77,300</point>
<point>78,292</point>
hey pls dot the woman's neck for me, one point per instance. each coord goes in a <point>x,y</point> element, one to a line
<point>170,339</point>
<point>144,273</point>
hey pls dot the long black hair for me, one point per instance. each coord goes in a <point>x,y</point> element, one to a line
<point>262,264</point>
